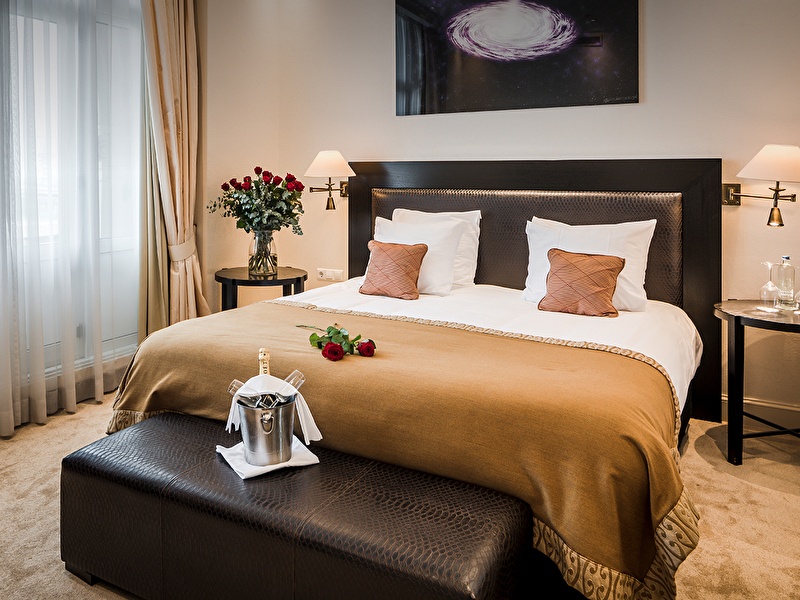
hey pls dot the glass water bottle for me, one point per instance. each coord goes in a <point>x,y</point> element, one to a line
<point>782,276</point>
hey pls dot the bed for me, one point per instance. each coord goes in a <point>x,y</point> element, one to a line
<point>582,426</point>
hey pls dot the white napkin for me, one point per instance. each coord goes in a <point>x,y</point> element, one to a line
<point>235,456</point>
<point>267,384</point>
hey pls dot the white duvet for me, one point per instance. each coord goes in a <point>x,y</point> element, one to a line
<point>662,331</point>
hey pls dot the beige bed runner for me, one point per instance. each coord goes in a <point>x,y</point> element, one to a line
<point>587,436</point>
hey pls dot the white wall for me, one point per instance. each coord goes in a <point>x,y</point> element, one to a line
<point>718,78</point>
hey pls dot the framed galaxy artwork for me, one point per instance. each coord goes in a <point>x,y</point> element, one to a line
<point>462,55</point>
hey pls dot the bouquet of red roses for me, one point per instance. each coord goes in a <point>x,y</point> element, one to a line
<point>265,202</point>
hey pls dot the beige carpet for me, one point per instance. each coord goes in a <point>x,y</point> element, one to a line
<point>750,515</point>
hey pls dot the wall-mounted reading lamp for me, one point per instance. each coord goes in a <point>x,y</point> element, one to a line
<point>775,162</point>
<point>330,163</point>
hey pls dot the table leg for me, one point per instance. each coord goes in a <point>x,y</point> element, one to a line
<point>295,287</point>
<point>230,295</point>
<point>735,390</point>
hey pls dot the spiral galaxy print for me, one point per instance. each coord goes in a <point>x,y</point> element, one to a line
<point>511,30</point>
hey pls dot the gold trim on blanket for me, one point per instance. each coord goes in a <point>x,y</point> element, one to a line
<point>120,419</point>
<point>676,536</point>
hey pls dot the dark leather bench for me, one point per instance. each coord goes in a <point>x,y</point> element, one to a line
<point>154,510</point>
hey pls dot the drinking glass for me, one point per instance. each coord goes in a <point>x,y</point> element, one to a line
<point>768,296</point>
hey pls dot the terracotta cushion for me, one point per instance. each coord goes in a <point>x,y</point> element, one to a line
<point>393,270</point>
<point>581,284</point>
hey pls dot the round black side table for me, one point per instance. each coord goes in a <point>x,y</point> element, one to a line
<point>290,278</point>
<point>740,314</point>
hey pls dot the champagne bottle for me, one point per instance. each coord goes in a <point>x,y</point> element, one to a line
<point>263,361</point>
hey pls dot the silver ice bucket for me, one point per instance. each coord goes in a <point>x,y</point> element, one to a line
<point>267,433</point>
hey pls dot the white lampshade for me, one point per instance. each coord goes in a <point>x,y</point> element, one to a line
<point>329,163</point>
<point>774,162</point>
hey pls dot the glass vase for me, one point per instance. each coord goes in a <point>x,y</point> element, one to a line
<point>262,257</point>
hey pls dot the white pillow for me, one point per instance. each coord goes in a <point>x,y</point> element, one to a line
<point>442,239</point>
<point>467,253</point>
<point>630,241</point>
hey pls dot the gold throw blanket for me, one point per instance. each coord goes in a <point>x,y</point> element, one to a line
<point>585,435</point>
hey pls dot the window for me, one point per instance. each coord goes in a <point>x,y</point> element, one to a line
<point>70,213</point>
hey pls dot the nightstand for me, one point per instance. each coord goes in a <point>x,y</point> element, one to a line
<point>740,314</point>
<point>290,278</point>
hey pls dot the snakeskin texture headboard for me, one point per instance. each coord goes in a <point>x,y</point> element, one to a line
<point>684,265</point>
<point>503,250</point>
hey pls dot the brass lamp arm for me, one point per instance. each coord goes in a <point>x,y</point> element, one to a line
<point>788,197</point>
<point>731,194</point>
<point>342,189</point>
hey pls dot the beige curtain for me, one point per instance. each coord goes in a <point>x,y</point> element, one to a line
<point>153,248</point>
<point>172,90</point>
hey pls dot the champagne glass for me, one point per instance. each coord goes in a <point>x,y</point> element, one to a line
<point>295,379</point>
<point>768,296</point>
<point>234,386</point>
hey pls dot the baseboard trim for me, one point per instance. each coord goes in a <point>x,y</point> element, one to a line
<point>787,415</point>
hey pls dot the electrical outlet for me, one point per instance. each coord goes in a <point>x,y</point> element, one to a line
<point>330,274</point>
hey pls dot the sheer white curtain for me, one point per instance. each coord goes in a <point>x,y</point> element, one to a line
<point>70,125</point>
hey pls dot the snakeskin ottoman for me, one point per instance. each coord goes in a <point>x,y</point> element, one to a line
<point>154,510</point>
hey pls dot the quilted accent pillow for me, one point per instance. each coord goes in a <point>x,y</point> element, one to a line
<point>393,270</point>
<point>581,284</point>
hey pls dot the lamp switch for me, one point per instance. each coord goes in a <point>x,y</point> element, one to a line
<point>728,194</point>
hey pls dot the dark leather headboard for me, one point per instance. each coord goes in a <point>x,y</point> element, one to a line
<point>503,249</point>
<point>697,180</point>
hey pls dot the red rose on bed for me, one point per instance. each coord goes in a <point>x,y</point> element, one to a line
<point>336,343</point>
<point>333,351</point>
<point>366,348</point>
